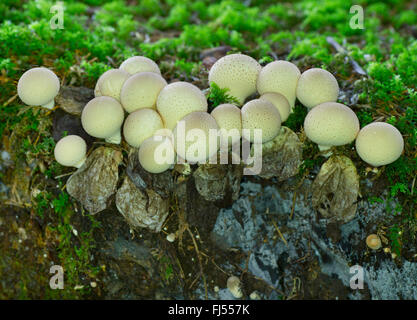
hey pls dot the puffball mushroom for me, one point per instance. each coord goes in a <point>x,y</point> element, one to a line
<point>260,114</point>
<point>280,77</point>
<point>379,143</point>
<point>156,154</point>
<point>228,117</point>
<point>280,102</point>
<point>233,284</point>
<point>331,124</point>
<point>70,151</point>
<point>178,99</point>
<point>111,82</point>
<point>238,73</point>
<point>138,64</point>
<point>317,86</point>
<point>140,125</point>
<point>141,91</point>
<point>103,117</point>
<point>191,137</point>
<point>373,242</point>
<point>38,87</point>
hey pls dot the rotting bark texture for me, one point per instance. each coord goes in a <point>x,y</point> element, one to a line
<point>73,99</point>
<point>335,189</point>
<point>96,181</point>
<point>145,209</point>
<point>282,156</point>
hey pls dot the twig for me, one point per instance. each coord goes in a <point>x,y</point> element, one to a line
<point>339,48</point>
<point>199,260</point>
<point>294,197</point>
<point>10,100</point>
<point>279,232</point>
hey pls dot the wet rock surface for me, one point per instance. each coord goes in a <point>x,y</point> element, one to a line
<point>95,182</point>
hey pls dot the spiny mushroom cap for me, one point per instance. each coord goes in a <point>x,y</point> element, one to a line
<point>280,102</point>
<point>280,77</point>
<point>140,125</point>
<point>379,143</point>
<point>141,91</point>
<point>195,137</point>
<point>138,64</point>
<point>111,82</point>
<point>238,73</point>
<point>156,154</point>
<point>178,99</point>
<point>38,86</point>
<point>317,86</point>
<point>70,151</point>
<point>102,117</point>
<point>373,242</point>
<point>331,124</point>
<point>228,117</point>
<point>260,114</point>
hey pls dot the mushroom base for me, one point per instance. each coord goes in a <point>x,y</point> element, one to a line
<point>50,105</point>
<point>116,139</point>
<point>325,148</point>
<point>80,163</point>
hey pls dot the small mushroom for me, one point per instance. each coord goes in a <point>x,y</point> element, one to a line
<point>228,117</point>
<point>238,73</point>
<point>373,241</point>
<point>178,99</point>
<point>317,86</point>
<point>280,102</point>
<point>140,125</point>
<point>141,91</point>
<point>280,77</point>
<point>192,137</point>
<point>233,284</point>
<point>331,124</point>
<point>38,87</point>
<point>260,114</point>
<point>138,64</point>
<point>156,154</point>
<point>111,82</point>
<point>70,151</point>
<point>103,117</point>
<point>379,143</point>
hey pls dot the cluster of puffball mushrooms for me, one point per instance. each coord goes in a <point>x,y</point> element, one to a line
<point>154,108</point>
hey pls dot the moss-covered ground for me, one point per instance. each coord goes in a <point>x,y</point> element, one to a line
<point>100,34</point>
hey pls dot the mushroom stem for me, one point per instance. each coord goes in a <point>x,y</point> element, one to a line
<point>80,163</point>
<point>50,105</point>
<point>325,148</point>
<point>116,139</point>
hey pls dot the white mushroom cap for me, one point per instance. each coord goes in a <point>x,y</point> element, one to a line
<point>156,154</point>
<point>192,137</point>
<point>111,82</point>
<point>38,87</point>
<point>379,143</point>
<point>228,117</point>
<point>103,117</point>
<point>331,124</point>
<point>317,86</point>
<point>70,151</point>
<point>140,125</point>
<point>260,114</point>
<point>280,102</point>
<point>178,99</point>
<point>280,77</point>
<point>233,284</point>
<point>141,91</point>
<point>238,73</point>
<point>138,64</point>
